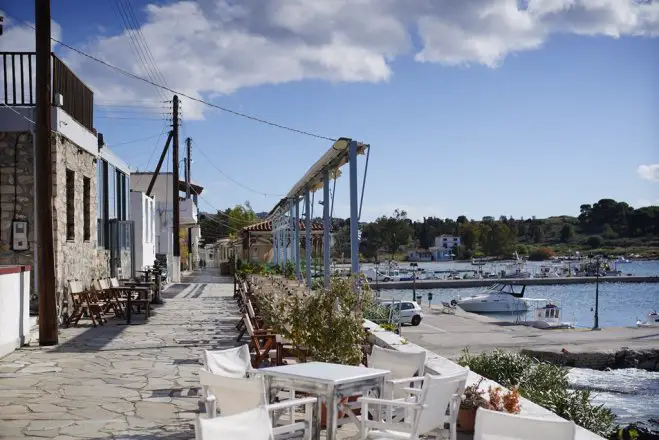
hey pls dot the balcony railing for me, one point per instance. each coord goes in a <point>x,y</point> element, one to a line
<point>18,86</point>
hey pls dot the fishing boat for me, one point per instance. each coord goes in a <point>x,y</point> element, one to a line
<point>652,320</point>
<point>499,298</point>
<point>547,316</point>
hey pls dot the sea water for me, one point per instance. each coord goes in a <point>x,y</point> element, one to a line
<point>630,393</point>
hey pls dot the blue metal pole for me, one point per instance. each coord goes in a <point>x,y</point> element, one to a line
<point>275,248</point>
<point>284,234</point>
<point>298,275</point>
<point>291,230</point>
<point>307,233</point>
<point>326,228</point>
<point>354,209</point>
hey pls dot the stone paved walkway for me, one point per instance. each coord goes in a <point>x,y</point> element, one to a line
<point>118,381</point>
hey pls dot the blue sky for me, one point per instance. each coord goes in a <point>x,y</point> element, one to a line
<point>529,118</point>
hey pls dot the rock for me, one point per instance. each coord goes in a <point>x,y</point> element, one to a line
<point>640,431</point>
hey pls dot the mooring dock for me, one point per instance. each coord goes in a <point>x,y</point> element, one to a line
<point>614,347</point>
<point>454,284</point>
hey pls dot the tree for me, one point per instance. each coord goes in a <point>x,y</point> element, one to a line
<point>567,233</point>
<point>594,241</point>
<point>395,231</point>
<point>239,217</point>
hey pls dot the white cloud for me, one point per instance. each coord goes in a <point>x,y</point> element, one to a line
<point>648,172</point>
<point>211,47</point>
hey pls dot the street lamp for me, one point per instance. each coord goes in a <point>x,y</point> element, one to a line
<point>414,266</point>
<point>596,326</point>
<point>377,275</point>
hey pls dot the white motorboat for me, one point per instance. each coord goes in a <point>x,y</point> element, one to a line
<point>547,316</point>
<point>499,298</point>
<point>652,320</point>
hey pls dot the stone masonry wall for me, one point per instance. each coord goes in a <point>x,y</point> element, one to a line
<point>76,259</point>
<point>16,194</point>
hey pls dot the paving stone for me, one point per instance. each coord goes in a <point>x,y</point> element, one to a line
<point>100,382</point>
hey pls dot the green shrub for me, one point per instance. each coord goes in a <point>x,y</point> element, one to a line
<point>543,383</point>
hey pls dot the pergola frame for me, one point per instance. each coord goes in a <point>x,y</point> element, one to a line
<point>285,215</point>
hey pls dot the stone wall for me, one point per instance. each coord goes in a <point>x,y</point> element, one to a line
<point>624,358</point>
<point>16,195</point>
<point>74,259</point>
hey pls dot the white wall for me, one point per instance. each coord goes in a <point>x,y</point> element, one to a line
<point>14,307</point>
<point>142,210</point>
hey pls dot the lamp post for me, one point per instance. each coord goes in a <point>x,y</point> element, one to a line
<point>596,325</point>
<point>377,274</point>
<point>414,266</point>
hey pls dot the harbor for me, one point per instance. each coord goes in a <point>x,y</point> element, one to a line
<point>483,282</point>
<point>611,347</point>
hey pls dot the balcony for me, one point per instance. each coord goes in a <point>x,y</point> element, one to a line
<point>17,71</point>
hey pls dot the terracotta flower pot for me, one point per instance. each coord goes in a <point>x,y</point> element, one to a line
<point>467,420</point>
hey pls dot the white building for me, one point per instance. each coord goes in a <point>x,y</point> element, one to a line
<point>190,233</point>
<point>443,248</point>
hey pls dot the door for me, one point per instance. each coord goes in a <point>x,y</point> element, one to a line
<point>122,249</point>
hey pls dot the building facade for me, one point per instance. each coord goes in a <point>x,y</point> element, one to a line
<point>85,201</point>
<point>444,247</point>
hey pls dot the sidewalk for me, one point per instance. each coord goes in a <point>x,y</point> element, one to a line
<point>117,381</point>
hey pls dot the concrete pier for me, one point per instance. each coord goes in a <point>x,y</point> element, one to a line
<point>619,347</point>
<point>454,284</point>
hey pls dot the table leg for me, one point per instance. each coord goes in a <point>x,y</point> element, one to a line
<point>332,415</point>
<point>318,415</point>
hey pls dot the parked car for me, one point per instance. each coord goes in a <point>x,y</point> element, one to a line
<point>409,312</point>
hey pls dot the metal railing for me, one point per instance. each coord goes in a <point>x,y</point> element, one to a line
<point>17,71</point>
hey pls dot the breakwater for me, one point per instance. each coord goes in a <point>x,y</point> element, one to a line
<point>647,359</point>
<point>453,284</point>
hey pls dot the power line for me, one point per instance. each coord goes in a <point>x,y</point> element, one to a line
<point>18,113</point>
<point>113,145</point>
<point>234,180</point>
<point>201,101</point>
<point>135,42</point>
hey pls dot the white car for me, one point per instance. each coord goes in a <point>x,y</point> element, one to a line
<point>409,312</point>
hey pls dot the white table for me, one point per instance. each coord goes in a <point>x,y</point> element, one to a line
<point>330,382</point>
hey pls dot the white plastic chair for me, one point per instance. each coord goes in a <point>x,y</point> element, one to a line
<point>494,425</point>
<point>240,395</point>
<point>402,365</point>
<point>425,411</point>
<point>248,425</point>
<point>233,362</point>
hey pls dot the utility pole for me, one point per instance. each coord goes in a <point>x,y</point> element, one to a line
<point>188,151</point>
<point>176,263</point>
<point>44,188</point>
<point>188,178</point>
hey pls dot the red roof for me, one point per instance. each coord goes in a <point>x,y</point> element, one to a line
<point>266,226</point>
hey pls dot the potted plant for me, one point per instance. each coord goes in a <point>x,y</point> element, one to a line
<point>474,398</point>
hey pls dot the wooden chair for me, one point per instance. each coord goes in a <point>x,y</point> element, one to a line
<point>261,344</point>
<point>83,303</point>
<point>136,301</point>
<point>107,298</point>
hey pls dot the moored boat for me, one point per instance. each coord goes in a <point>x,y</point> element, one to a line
<point>499,298</point>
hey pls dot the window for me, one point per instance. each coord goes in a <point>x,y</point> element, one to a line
<point>86,208</point>
<point>70,205</point>
<point>101,202</point>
